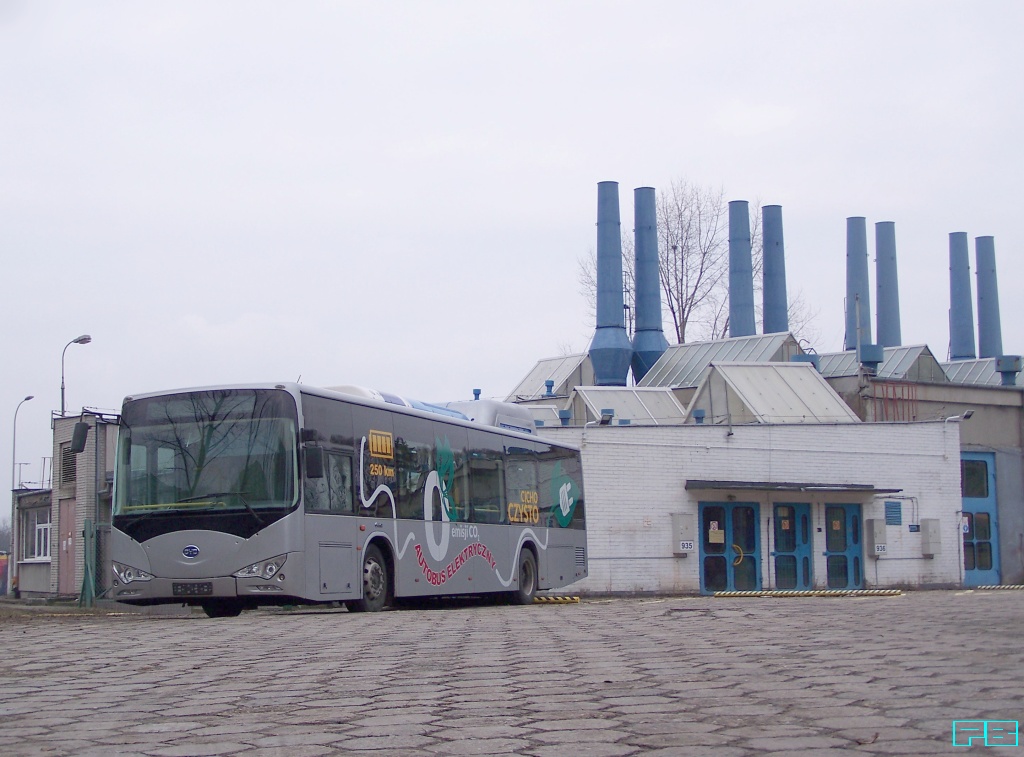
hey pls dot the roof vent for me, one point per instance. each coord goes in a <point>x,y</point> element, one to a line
<point>1008,366</point>
<point>871,356</point>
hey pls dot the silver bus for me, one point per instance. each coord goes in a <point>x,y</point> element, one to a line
<point>238,496</point>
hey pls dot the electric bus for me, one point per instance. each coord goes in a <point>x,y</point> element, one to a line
<point>232,497</point>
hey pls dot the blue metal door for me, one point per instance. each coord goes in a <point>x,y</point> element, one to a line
<point>791,526</point>
<point>980,526</point>
<point>844,555</point>
<point>730,546</point>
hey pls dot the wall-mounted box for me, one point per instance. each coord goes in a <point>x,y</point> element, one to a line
<point>931,544</point>
<point>874,537</point>
<point>684,534</point>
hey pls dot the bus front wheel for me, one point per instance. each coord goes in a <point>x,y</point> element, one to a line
<point>527,579</point>
<point>376,582</point>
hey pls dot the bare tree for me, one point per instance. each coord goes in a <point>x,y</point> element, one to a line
<point>693,243</point>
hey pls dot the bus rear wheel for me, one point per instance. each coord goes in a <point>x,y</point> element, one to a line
<point>527,579</point>
<point>376,582</point>
<point>222,608</point>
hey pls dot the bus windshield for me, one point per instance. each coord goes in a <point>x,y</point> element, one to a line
<point>207,451</point>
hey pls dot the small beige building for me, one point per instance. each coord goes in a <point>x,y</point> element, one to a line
<point>61,531</point>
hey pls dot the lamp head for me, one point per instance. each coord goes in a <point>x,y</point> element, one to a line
<point>30,397</point>
<point>83,339</point>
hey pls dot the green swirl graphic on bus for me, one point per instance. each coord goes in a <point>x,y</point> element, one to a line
<point>565,493</point>
<point>446,476</point>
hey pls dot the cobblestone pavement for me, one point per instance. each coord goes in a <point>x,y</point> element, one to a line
<point>666,676</point>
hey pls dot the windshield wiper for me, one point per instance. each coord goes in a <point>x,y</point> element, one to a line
<point>241,498</point>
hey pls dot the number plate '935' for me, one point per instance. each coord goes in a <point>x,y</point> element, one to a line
<point>192,589</point>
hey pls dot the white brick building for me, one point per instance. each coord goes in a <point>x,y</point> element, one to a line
<point>839,476</point>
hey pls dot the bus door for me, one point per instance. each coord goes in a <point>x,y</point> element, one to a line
<point>327,499</point>
<point>843,549</point>
<point>730,549</point>
<point>792,554</point>
<point>981,536</point>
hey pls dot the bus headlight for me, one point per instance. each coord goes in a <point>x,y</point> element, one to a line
<point>126,573</point>
<point>263,569</point>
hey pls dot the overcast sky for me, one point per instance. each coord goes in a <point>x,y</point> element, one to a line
<point>396,194</point>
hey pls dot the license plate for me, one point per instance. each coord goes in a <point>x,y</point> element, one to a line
<point>192,590</point>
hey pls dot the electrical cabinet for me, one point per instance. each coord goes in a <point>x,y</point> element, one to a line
<point>684,534</point>
<point>874,537</point>
<point>931,544</point>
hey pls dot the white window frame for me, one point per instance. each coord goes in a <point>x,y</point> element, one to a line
<point>36,534</point>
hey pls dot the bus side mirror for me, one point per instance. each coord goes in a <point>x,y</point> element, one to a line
<point>314,462</point>
<point>78,437</point>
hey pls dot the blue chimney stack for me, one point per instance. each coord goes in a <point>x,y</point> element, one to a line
<point>775,304</point>
<point>610,350</point>
<point>990,332</point>
<point>887,289</point>
<point>741,272</point>
<point>961,305</point>
<point>649,341</point>
<point>858,297</point>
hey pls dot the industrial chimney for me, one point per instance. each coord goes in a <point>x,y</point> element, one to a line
<point>961,306</point>
<point>887,289</point>
<point>858,297</point>
<point>649,339</point>
<point>990,335</point>
<point>741,273</point>
<point>610,350</point>
<point>775,304</point>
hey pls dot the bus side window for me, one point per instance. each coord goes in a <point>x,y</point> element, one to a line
<point>340,477</point>
<point>459,494</point>
<point>521,480</point>
<point>414,459</point>
<point>333,492</point>
<point>453,471</point>
<point>486,478</point>
<point>314,492</point>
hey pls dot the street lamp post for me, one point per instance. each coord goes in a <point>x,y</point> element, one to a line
<point>83,339</point>
<point>12,557</point>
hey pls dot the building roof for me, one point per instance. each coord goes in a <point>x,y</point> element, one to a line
<point>545,415</point>
<point>650,406</point>
<point>768,393</point>
<point>557,369</point>
<point>910,363</point>
<point>683,365</point>
<point>974,372</point>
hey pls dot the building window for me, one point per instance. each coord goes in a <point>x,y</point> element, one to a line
<point>974,478</point>
<point>35,534</point>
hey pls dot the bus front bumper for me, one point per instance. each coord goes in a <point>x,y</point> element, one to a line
<point>196,590</point>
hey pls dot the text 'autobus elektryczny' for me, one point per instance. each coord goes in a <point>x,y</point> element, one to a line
<point>236,496</point>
